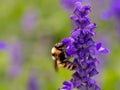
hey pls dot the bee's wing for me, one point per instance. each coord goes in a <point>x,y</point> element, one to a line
<point>55,65</point>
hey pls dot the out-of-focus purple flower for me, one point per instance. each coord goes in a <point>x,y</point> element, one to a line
<point>106,15</point>
<point>16,52</point>
<point>29,19</point>
<point>113,11</point>
<point>32,83</point>
<point>82,48</point>
<point>115,8</point>
<point>16,57</point>
<point>14,70</point>
<point>3,45</point>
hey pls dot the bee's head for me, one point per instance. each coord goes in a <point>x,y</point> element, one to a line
<point>60,46</point>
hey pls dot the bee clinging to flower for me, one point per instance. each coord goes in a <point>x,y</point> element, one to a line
<point>60,58</point>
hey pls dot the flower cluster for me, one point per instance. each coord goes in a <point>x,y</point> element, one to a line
<point>82,48</point>
<point>113,11</point>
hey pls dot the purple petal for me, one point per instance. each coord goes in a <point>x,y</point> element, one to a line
<point>91,82</point>
<point>85,10</point>
<point>71,51</point>
<point>67,41</point>
<point>104,50</point>
<point>89,61</point>
<point>77,12</point>
<point>98,46</point>
<point>75,33</point>
<point>85,78</point>
<point>91,26</point>
<point>93,72</point>
<point>75,20</point>
<point>78,5</point>
<point>67,83</point>
<point>82,11</point>
<point>101,49</point>
<point>97,87</point>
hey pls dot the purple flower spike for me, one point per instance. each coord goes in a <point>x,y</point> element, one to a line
<point>82,48</point>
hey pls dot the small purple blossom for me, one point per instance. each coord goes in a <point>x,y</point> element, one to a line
<point>29,19</point>
<point>82,48</point>
<point>16,58</point>
<point>16,52</point>
<point>3,45</point>
<point>14,71</point>
<point>32,83</point>
<point>113,11</point>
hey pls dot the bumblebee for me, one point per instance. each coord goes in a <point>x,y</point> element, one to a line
<point>60,58</point>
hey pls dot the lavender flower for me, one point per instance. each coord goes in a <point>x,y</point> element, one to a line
<point>16,59</point>
<point>32,83</point>
<point>14,71</point>
<point>82,48</point>
<point>29,19</point>
<point>3,45</point>
<point>113,11</point>
<point>16,52</point>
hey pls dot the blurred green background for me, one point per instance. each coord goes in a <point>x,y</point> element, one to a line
<point>30,28</point>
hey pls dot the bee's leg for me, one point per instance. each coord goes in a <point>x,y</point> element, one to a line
<point>55,65</point>
<point>74,77</point>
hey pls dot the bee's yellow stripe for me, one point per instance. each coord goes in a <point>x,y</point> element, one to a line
<point>71,67</point>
